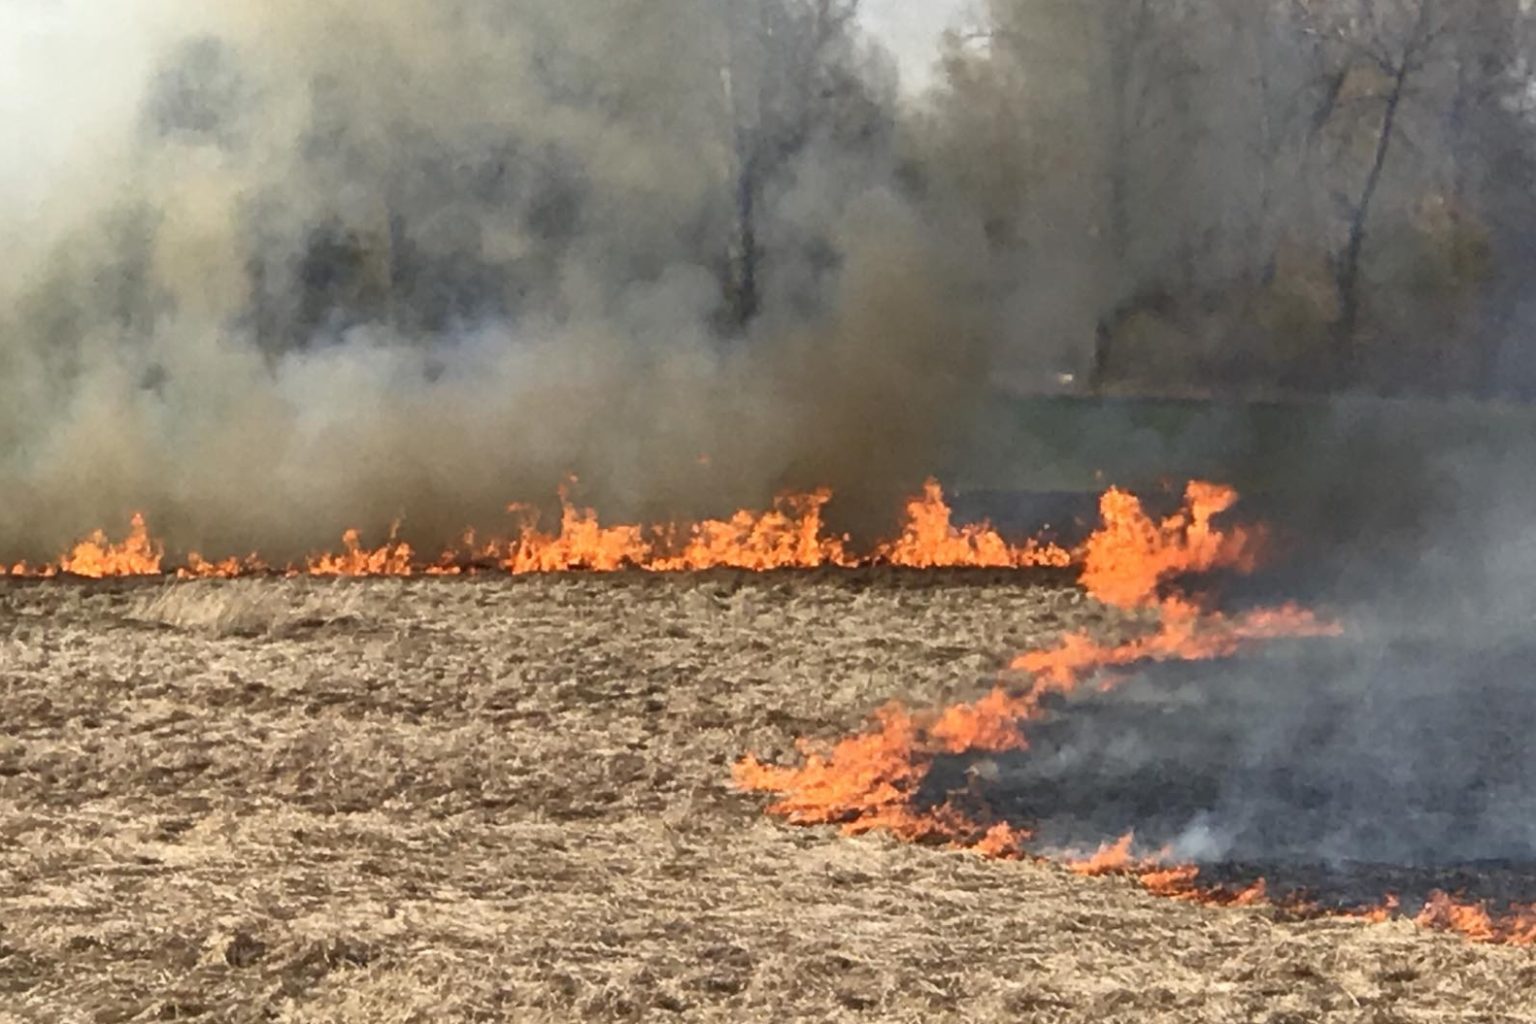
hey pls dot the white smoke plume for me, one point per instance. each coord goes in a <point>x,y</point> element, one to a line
<point>291,266</point>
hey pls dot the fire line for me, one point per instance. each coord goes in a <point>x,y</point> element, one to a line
<point>870,781</point>
<point>791,534</point>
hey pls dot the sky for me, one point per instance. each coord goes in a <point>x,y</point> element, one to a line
<point>911,29</point>
<point>63,64</point>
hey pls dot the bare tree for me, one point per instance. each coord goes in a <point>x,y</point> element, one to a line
<point>1381,48</point>
<point>786,67</point>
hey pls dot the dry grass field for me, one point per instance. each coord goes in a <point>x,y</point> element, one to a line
<point>510,800</point>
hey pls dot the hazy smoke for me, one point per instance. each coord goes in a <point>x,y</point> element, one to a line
<point>318,264</point>
<point>1399,743</point>
<point>1403,752</point>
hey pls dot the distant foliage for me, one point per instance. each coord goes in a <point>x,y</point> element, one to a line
<point>1265,195</point>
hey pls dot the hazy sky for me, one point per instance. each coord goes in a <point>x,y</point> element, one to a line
<point>911,29</point>
<point>67,69</point>
<point>64,64</point>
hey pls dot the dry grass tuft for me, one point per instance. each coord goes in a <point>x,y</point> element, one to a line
<point>246,608</point>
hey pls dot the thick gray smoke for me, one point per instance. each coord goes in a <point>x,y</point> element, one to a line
<point>325,263</point>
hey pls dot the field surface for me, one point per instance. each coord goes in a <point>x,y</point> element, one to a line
<point>510,800</point>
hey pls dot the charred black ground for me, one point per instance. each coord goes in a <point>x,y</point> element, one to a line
<point>1342,769</point>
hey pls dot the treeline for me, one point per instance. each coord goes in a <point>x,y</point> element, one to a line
<point>1265,194</point>
<point>1164,195</point>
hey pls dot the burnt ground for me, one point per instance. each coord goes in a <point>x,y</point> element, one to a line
<point>509,800</point>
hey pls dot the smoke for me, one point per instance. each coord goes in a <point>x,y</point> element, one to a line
<point>1398,743</point>
<point>298,266</point>
<point>910,31</point>
<point>1377,750</point>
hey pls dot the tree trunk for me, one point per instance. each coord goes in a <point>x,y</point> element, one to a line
<point>1348,273</point>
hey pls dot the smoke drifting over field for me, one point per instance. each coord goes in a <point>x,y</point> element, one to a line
<point>328,264</point>
<point>320,264</point>
<point>1375,750</point>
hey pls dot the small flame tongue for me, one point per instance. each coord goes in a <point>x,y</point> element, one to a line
<point>1516,927</point>
<point>930,540</point>
<point>1441,911</point>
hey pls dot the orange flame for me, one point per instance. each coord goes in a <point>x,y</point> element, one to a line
<point>98,557</point>
<point>1127,560</point>
<point>931,540</point>
<point>1182,634</point>
<point>1131,554</point>
<point>1176,881</point>
<point>1516,927</point>
<point>395,558</point>
<point>868,781</point>
<point>871,780</point>
<point>199,568</point>
<point>789,535</point>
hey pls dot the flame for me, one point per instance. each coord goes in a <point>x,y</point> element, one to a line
<point>1126,562</point>
<point>199,568</point>
<point>1443,912</point>
<point>97,557</point>
<point>1170,881</point>
<point>791,534</point>
<point>394,558</point>
<point>869,781</point>
<point>931,540</point>
<point>25,571</point>
<point>1386,911</point>
<point>1111,859</point>
<point>1182,634</point>
<point>1131,554</point>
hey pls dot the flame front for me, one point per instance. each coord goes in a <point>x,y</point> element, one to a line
<point>792,534</point>
<point>871,780</point>
<point>1131,554</point>
<point>395,558</point>
<point>1514,927</point>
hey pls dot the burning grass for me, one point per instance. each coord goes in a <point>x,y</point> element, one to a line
<point>508,799</point>
<point>878,779</point>
<point>790,535</point>
<point>369,801</point>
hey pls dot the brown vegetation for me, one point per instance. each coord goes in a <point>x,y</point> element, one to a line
<point>510,800</point>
